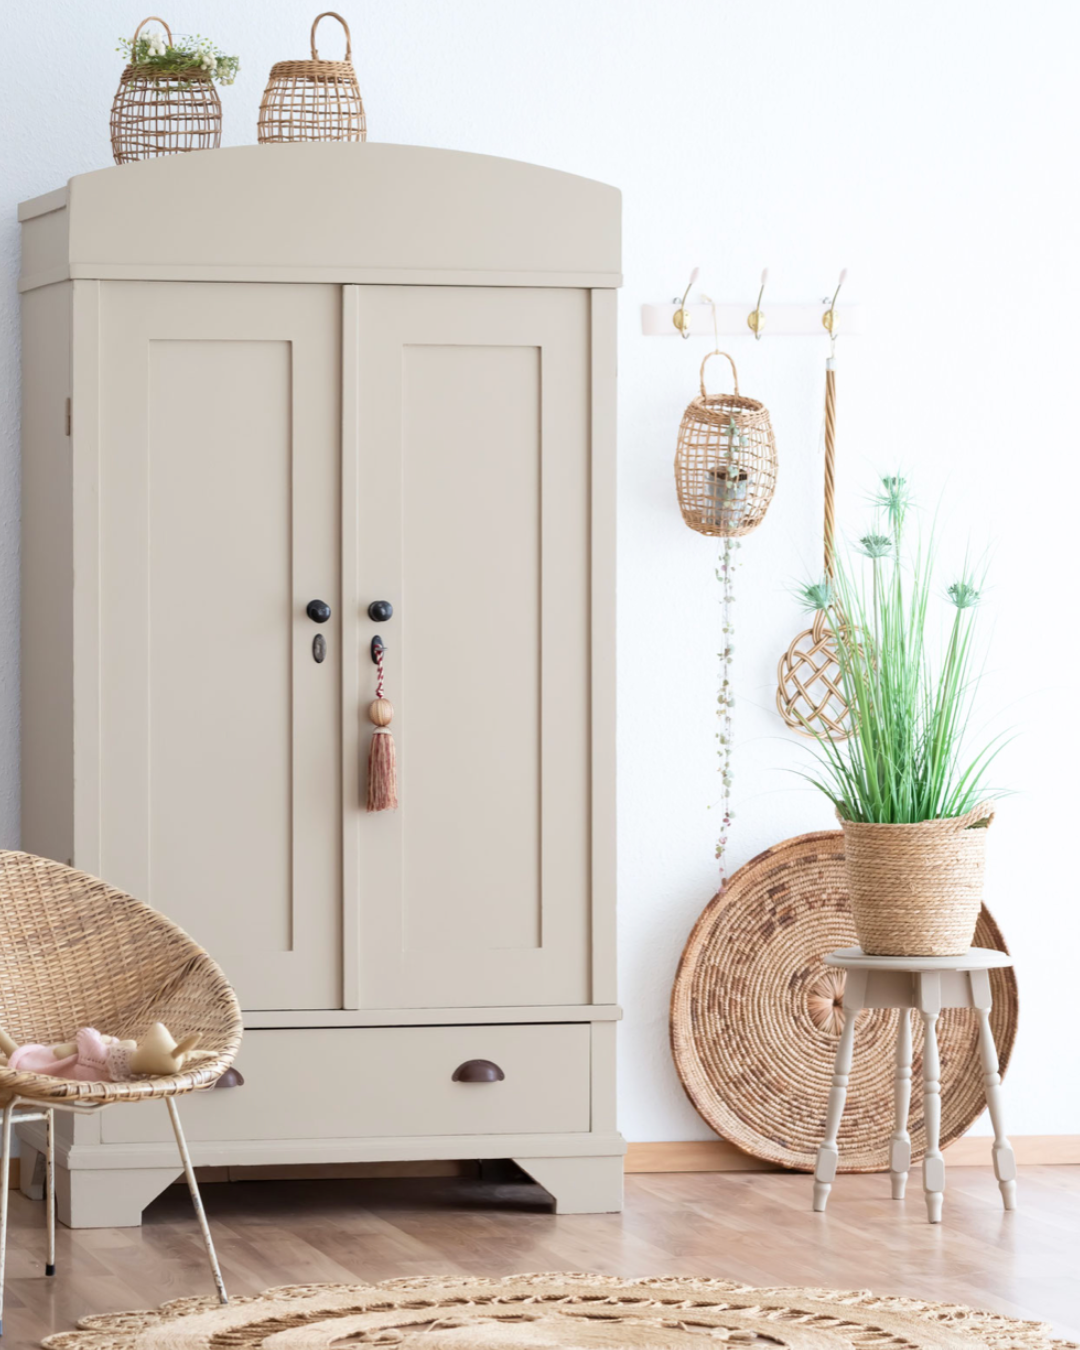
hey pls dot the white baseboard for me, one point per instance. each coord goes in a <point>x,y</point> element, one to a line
<point>718,1155</point>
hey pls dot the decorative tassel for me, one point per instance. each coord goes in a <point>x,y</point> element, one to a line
<point>382,759</point>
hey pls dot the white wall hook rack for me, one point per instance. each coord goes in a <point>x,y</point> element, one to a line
<point>731,319</point>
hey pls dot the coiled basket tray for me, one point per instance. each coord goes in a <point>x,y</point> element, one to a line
<point>755,1019</point>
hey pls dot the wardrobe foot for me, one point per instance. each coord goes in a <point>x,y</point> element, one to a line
<point>579,1185</point>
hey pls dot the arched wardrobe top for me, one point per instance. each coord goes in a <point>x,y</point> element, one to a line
<point>335,212</point>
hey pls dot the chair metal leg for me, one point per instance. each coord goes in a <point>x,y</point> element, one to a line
<point>196,1198</point>
<point>5,1176</point>
<point>50,1191</point>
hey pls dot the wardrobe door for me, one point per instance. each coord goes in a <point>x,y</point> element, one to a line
<point>220,412</point>
<point>471,514</point>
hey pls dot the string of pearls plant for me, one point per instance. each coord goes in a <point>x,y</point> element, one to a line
<point>725,698</point>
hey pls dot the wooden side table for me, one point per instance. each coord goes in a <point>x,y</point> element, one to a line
<point>927,983</point>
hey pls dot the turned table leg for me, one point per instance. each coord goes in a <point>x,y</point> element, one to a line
<point>829,1153</point>
<point>933,1162</point>
<point>1004,1158</point>
<point>900,1144</point>
<point>926,985</point>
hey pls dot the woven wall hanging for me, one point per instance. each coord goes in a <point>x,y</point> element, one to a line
<point>725,462</point>
<point>313,100</point>
<point>157,113</point>
<point>809,681</point>
<point>755,1018</point>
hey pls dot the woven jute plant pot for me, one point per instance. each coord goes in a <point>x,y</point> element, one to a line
<point>916,890</point>
<point>155,114</point>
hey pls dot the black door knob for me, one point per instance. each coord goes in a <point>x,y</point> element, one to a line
<point>380,610</point>
<point>318,611</point>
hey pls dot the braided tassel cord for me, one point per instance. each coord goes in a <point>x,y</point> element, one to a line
<point>382,758</point>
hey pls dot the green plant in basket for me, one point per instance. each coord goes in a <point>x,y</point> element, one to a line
<point>165,58</point>
<point>909,667</point>
<point>909,782</point>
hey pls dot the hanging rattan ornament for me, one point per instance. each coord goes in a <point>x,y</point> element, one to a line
<point>382,757</point>
<point>809,682</point>
<point>725,463</point>
<point>163,113</point>
<point>313,100</point>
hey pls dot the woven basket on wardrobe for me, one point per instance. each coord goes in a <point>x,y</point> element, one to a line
<point>725,464</point>
<point>313,100</point>
<point>163,114</point>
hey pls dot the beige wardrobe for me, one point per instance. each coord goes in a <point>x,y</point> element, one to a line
<point>263,377</point>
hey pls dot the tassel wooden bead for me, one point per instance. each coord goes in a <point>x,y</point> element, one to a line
<point>382,757</point>
<point>381,712</point>
<point>382,772</point>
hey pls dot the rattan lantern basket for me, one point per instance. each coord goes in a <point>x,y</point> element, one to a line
<point>725,464</point>
<point>313,100</point>
<point>163,114</point>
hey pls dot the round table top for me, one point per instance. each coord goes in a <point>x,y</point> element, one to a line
<point>975,958</point>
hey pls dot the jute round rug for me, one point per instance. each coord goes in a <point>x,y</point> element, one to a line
<point>572,1312</point>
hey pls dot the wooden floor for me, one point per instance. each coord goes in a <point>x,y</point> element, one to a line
<point>754,1227</point>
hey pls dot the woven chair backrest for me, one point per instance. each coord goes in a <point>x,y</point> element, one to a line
<point>76,952</point>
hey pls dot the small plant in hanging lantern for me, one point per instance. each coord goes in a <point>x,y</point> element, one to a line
<point>313,100</point>
<point>166,102</point>
<point>725,463</point>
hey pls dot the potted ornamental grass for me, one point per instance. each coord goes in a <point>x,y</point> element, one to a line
<point>909,781</point>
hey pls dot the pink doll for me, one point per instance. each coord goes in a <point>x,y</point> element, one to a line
<point>95,1058</point>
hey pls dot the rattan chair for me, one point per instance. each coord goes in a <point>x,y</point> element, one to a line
<point>75,952</point>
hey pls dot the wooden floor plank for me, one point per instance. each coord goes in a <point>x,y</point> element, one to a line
<point>756,1227</point>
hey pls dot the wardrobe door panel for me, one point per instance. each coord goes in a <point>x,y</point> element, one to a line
<point>471,516</point>
<point>220,755</point>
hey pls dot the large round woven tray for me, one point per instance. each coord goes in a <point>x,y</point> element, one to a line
<point>751,991</point>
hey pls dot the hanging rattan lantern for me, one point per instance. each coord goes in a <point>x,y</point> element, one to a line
<point>725,464</point>
<point>156,113</point>
<point>313,100</point>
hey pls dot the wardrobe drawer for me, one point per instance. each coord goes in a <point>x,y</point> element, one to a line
<point>344,1083</point>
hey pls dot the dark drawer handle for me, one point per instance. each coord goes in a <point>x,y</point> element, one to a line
<point>477,1071</point>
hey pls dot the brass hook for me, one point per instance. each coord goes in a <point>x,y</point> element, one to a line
<point>830,319</point>
<point>756,321</point>
<point>681,317</point>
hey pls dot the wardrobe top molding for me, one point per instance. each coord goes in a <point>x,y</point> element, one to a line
<point>344,212</point>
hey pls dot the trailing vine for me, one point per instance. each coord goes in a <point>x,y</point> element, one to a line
<point>725,698</point>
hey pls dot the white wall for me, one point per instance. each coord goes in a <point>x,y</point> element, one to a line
<point>929,147</point>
